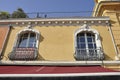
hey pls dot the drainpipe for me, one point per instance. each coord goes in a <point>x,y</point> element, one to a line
<point>113,40</point>
<point>1,52</point>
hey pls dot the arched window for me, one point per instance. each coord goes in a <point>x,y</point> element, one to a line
<point>88,44</point>
<point>27,39</point>
<point>26,45</point>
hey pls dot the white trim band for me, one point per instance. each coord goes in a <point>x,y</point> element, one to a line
<point>60,63</point>
<point>62,75</point>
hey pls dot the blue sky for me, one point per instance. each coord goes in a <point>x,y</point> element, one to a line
<point>30,6</point>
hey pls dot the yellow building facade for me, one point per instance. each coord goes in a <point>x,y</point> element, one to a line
<point>110,8</point>
<point>66,41</point>
<point>57,39</point>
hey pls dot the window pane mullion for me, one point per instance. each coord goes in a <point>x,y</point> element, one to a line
<point>86,43</point>
<point>28,38</point>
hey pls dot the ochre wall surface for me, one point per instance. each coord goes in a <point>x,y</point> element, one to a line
<point>112,10</point>
<point>57,42</point>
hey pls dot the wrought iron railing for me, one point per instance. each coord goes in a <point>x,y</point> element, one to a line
<point>23,54</point>
<point>89,54</point>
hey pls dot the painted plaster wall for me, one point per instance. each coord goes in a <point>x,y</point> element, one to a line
<point>57,42</point>
<point>112,9</point>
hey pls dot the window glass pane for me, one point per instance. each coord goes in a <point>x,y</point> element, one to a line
<point>22,45</point>
<point>92,35</point>
<point>32,40</point>
<point>22,35</point>
<point>94,45</point>
<point>22,42</point>
<point>25,35</point>
<point>32,34</point>
<point>90,45</point>
<point>78,39</point>
<point>78,46</point>
<point>93,39</point>
<point>27,40</point>
<point>82,39</point>
<point>89,39</point>
<point>82,46</point>
<point>89,34</point>
<point>81,34</point>
<point>31,45</point>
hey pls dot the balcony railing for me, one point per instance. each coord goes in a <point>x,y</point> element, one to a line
<point>89,54</point>
<point>23,54</point>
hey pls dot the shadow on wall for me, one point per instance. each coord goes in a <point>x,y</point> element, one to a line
<point>107,57</point>
<point>112,22</point>
<point>118,18</point>
<point>41,38</point>
<point>39,54</point>
<point>40,57</point>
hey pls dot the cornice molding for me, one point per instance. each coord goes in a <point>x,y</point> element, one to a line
<point>102,3</point>
<point>57,21</point>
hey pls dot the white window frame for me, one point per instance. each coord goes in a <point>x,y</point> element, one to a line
<point>86,28</point>
<point>25,30</point>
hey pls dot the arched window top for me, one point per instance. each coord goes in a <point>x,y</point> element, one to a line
<point>88,33</point>
<point>86,28</point>
<point>28,30</point>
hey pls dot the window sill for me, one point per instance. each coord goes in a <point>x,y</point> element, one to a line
<point>60,63</point>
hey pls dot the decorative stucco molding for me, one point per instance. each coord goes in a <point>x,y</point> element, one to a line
<point>58,21</point>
